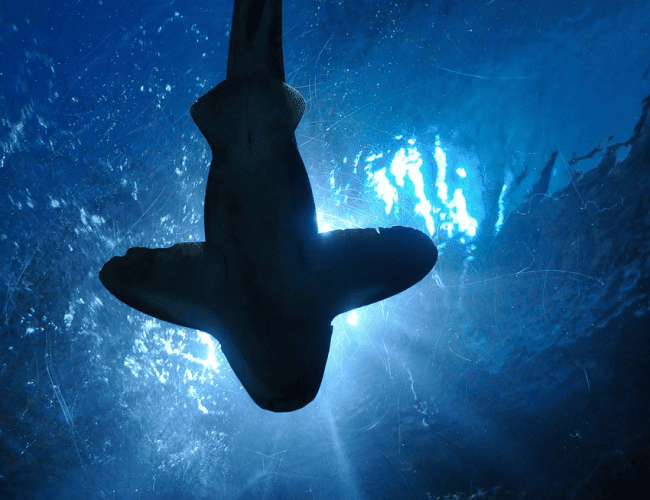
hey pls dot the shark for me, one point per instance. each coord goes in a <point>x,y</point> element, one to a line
<point>265,283</point>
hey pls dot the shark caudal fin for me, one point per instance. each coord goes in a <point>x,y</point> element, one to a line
<point>181,284</point>
<point>356,267</point>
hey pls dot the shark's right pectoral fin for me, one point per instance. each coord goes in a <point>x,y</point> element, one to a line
<point>356,267</point>
<point>180,284</point>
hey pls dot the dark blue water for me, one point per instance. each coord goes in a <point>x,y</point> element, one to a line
<point>520,366</point>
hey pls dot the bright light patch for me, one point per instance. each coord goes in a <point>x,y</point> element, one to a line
<point>409,164</point>
<point>323,225</point>
<point>458,208</point>
<point>499,223</point>
<point>353,318</point>
<point>211,360</point>
<point>441,162</point>
<point>384,189</point>
<point>424,208</point>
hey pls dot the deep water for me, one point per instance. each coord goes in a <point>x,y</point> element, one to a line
<point>518,368</point>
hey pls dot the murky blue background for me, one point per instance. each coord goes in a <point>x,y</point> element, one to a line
<point>520,365</point>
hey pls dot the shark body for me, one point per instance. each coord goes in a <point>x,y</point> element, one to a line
<point>265,283</point>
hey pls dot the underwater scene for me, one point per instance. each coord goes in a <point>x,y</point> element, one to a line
<point>514,136</point>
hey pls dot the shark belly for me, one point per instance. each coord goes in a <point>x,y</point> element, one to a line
<point>259,209</point>
<point>256,168</point>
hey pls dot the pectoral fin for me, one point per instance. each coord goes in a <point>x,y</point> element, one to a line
<point>180,284</point>
<point>356,267</point>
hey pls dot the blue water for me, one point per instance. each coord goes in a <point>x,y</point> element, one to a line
<point>518,367</point>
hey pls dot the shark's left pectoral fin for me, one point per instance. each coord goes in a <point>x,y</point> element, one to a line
<point>356,267</point>
<point>179,284</point>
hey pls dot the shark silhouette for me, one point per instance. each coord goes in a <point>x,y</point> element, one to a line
<point>265,283</point>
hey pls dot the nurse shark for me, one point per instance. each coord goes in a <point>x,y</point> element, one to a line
<point>265,283</point>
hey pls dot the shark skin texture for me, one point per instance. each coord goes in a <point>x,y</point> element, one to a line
<point>265,283</point>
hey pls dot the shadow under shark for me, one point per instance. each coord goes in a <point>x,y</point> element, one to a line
<point>265,283</point>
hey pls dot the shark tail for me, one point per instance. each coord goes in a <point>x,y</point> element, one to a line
<point>256,39</point>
